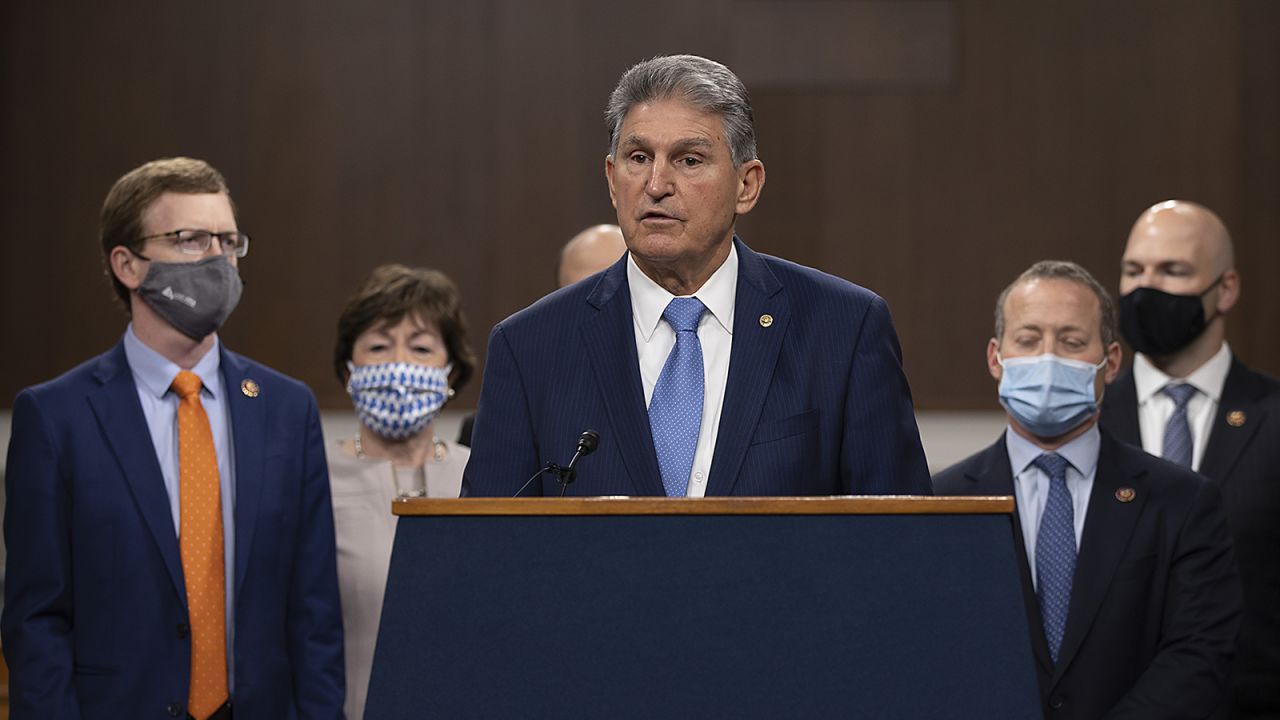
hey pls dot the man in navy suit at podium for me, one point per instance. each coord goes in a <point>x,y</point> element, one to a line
<point>1132,594</point>
<point>706,368</point>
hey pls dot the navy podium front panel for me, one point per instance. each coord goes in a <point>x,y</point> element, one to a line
<point>695,616</point>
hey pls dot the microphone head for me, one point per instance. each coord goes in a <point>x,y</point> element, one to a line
<point>588,442</point>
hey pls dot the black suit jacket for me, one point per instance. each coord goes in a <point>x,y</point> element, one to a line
<point>1155,603</point>
<point>1243,459</point>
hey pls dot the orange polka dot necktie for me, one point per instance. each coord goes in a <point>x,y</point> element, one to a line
<point>200,544</point>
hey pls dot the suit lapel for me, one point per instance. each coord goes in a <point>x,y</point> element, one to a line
<point>751,364</point>
<point>1120,405</point>
<point>1227,441</point>
<point>119,414</point>
<point>610,341</point>
<point>994,476</point>
<point>248,434</point>
<point>1108,527</point>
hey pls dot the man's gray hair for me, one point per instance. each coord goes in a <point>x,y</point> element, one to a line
<point>1065,270</point>
<point>704,84</point>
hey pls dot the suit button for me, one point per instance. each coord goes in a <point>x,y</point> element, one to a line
<point>174,709</point>
<point>1055,702</point>
<point>183,630</point>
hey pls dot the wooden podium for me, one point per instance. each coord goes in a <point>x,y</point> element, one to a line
<point>893,607</point>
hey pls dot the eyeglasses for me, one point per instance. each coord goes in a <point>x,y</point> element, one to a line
<point>197,242</point>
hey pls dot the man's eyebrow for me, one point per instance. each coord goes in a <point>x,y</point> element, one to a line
<point>681,144</point>
<point>631,140</point>
<point>691,142</point>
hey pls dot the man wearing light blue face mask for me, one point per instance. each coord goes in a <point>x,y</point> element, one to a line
<point>1133,598</point>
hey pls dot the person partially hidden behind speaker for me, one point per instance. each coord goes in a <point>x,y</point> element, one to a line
<point>401,352</point>
<point>1132,594</point>
<point>705,367</point>
<point>1188,399</point>
<point>591,251</point>
<point>170,537</point>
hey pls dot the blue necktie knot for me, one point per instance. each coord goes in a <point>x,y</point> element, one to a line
<point>1053,465</point>
<point>1180,393</point>
<point>684,313</point>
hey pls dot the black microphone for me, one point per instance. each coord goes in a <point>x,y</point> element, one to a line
<point>588,441</point>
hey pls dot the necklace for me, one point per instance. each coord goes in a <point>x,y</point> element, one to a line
<point>439,449</point>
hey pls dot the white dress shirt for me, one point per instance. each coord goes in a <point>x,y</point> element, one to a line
<point>1031,484</point>
<point>1155,408</point>
<point>655,340</point>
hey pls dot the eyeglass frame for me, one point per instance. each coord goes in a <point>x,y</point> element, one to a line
<point>239,251</point>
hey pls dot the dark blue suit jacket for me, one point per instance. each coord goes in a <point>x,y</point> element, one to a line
<point>816,402</point>
<point>95,612</point>
<point>1243,459</point>
<point>1155,603</point>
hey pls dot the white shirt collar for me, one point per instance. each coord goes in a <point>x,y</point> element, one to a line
<point>1209,378</point>
<point>649,299</point>
<point>1081,452</point>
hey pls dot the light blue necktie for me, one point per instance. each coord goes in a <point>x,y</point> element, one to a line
<point>1055,552</point>
<point>675,410</point>
<point>1177,432</point>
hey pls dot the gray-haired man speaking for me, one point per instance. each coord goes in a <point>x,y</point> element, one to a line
<point>706,368</point>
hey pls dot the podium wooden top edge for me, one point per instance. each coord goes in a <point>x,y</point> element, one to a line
<point>841,505</point>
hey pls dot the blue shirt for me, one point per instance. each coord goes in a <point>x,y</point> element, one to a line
<point>1031,484</point>
<point>153,374</point>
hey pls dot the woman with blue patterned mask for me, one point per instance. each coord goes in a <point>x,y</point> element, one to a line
<point>401,353</point>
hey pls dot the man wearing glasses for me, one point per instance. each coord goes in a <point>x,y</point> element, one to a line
<point>170,535</point>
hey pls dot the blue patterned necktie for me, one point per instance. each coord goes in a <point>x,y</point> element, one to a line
<point>675,410</point>
<point>1055,552</point>
<point>1177,432</point>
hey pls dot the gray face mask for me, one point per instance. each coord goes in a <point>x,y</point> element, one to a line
<point>195,297</point>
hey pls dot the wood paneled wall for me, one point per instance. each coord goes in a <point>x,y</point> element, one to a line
<point>468,136</point>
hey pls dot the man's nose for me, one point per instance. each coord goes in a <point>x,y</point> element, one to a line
<point>215,246</point>
<point>660,182</point>
<point>1149,278</point>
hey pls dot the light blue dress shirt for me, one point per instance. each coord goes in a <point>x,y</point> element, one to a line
<point>1031,485</point>
<point>153,374</point>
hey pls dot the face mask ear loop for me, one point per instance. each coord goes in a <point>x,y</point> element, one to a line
<point>1213,285</point>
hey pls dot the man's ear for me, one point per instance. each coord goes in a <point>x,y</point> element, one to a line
<point>1229,293</point>
<point>128,268</point>
<point>1114,357</point>
<point>993,359</point>
<point>608,176</point>
<point>751,183</point>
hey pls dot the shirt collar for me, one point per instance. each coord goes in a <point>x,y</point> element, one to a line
<point>1081,452</point>
<point>649,299</point>
<point>1209,378</point>
<point>154,372</point>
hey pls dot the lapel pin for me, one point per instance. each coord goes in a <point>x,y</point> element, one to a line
<point>1236,418</point>
<point>249,388</point>
<point>766,320</point>
<point>1125,494</point>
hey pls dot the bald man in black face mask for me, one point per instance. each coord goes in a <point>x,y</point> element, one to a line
<point>1188,399</point>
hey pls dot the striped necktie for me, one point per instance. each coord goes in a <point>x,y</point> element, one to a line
<point>1177,432</point>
